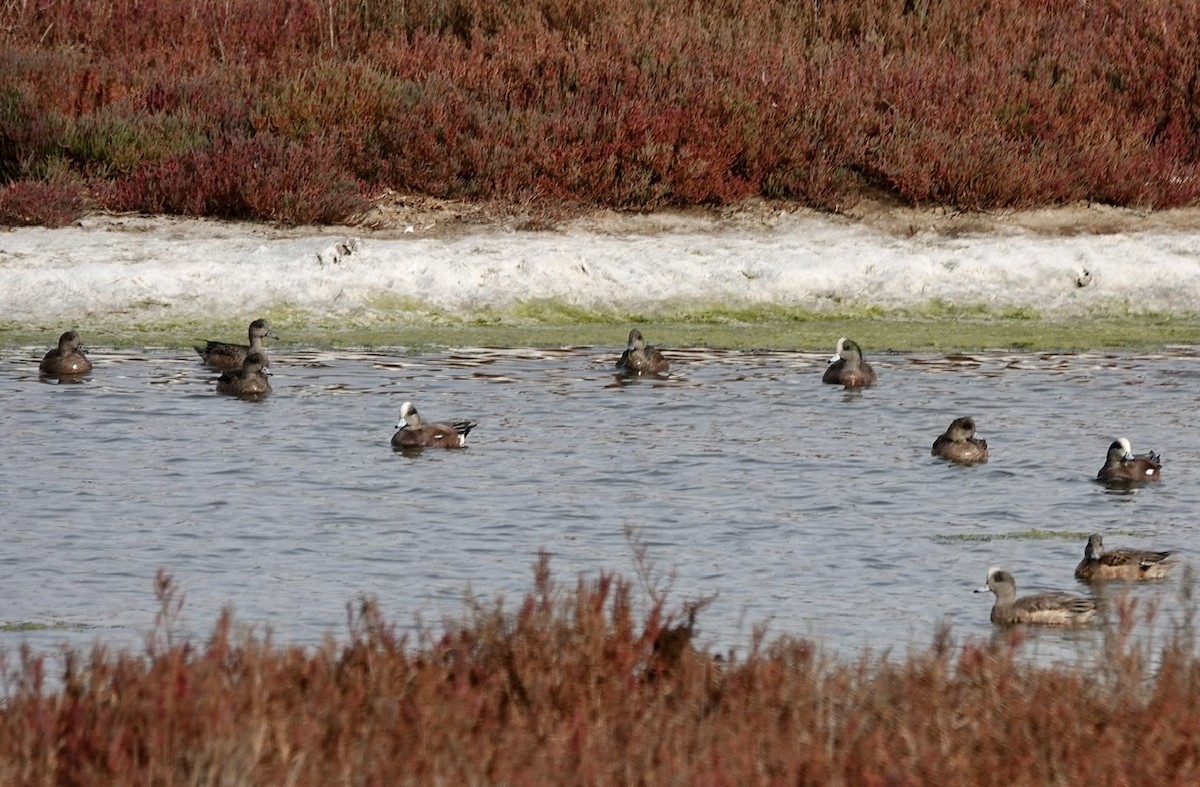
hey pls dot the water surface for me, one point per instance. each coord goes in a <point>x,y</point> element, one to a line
<point>816,511</point>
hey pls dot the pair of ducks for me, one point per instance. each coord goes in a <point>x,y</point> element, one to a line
<point>1058,608</point>
<point>846,367</point>
<point>243,366</point>
<point>959,444</point>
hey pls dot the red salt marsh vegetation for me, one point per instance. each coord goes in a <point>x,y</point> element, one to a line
<point>304,111</point>
<point>572,686</point>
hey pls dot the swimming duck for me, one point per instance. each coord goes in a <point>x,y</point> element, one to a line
<point>847,366</point>
<point>640,358</point>
<point>224,355</point>
<point>1044,609</point>
<point>67,359</point>
<point>1129,564</point>
<point>248,381</point>
<point>412,432</point>
<point>959,443</point>
<point>1122,466</point>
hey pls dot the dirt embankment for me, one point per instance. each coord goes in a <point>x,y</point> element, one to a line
<point>400,214</point>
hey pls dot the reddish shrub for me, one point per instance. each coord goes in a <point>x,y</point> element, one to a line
<point>52,203</point>
<point>261,177</point>
<point>979,104</point>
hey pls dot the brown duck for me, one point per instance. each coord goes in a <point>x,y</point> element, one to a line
<point>1121,466</point>
<point>959,443</point>
<point>1044,609</point>
<point>640,358</point>
<point>67,359</point>
<point>412,432</point>
<point>1120,564</point>
<point>847,367</point>
<point>224,355</point>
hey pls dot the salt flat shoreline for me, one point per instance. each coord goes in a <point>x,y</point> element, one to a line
<point>761,275</point>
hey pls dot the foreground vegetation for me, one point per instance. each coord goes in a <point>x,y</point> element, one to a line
<point>301,111</point>
<point>572,687</point>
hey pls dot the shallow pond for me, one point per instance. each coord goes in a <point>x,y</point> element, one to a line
<point>813,510</point>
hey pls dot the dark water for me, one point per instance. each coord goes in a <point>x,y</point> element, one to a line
<point>815,511</point>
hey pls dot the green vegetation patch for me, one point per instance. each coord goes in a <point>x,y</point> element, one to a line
<point>400,322</point>
<point>1032,534</point>
<point>35,625</point>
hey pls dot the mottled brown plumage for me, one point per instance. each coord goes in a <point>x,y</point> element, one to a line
<point>66,360</point>
<point>1132,565</point>
<point>226,356</point>
<point>1043,609</point>
<point>412,432</point>
<point>1121,466</point>
<point>959,443</point>
<point>249,381</point>
<point>847,367</point>
<point>640,358</point>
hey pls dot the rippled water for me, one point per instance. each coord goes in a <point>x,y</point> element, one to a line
<point>816,511</point>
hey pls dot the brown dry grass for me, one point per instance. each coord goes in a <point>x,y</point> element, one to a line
<point>571,688</point>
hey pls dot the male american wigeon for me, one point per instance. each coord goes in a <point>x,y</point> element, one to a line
<point>1127,564</point>
<point>1044,609</point>
<point>847,366</point>
<point>959,443</point>
<point>249,380</point>
<point>640,358</point>
<point>67,359</point>
<point>224,355</point>
<point>412,432</point>
<point>1122,466</point>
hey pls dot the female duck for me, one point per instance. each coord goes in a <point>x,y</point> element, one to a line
<point>225,356</point>
<point>959,443</point>
<point>1127,564</point>
<point>412,432</point>
<point>1044,609</point>
<point>847,367</point>
<point>640,358</point>
<point>248,382</point>
<point>67,359</point>
<point>1121,466</point>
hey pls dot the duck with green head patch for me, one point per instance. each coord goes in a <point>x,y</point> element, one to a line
<point>847,366</point>
<point>1055,608</point>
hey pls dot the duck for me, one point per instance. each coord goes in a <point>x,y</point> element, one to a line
<point>248,381</point>
<point>67,359</point>
<point>1128,564</point>
<point>1122,466</point>
<point>847,366</point>
<point>640,358</point>
<point>1055,608</point>
<point>959,443</point>
<point>412,432</point>
<point>226,356</point>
